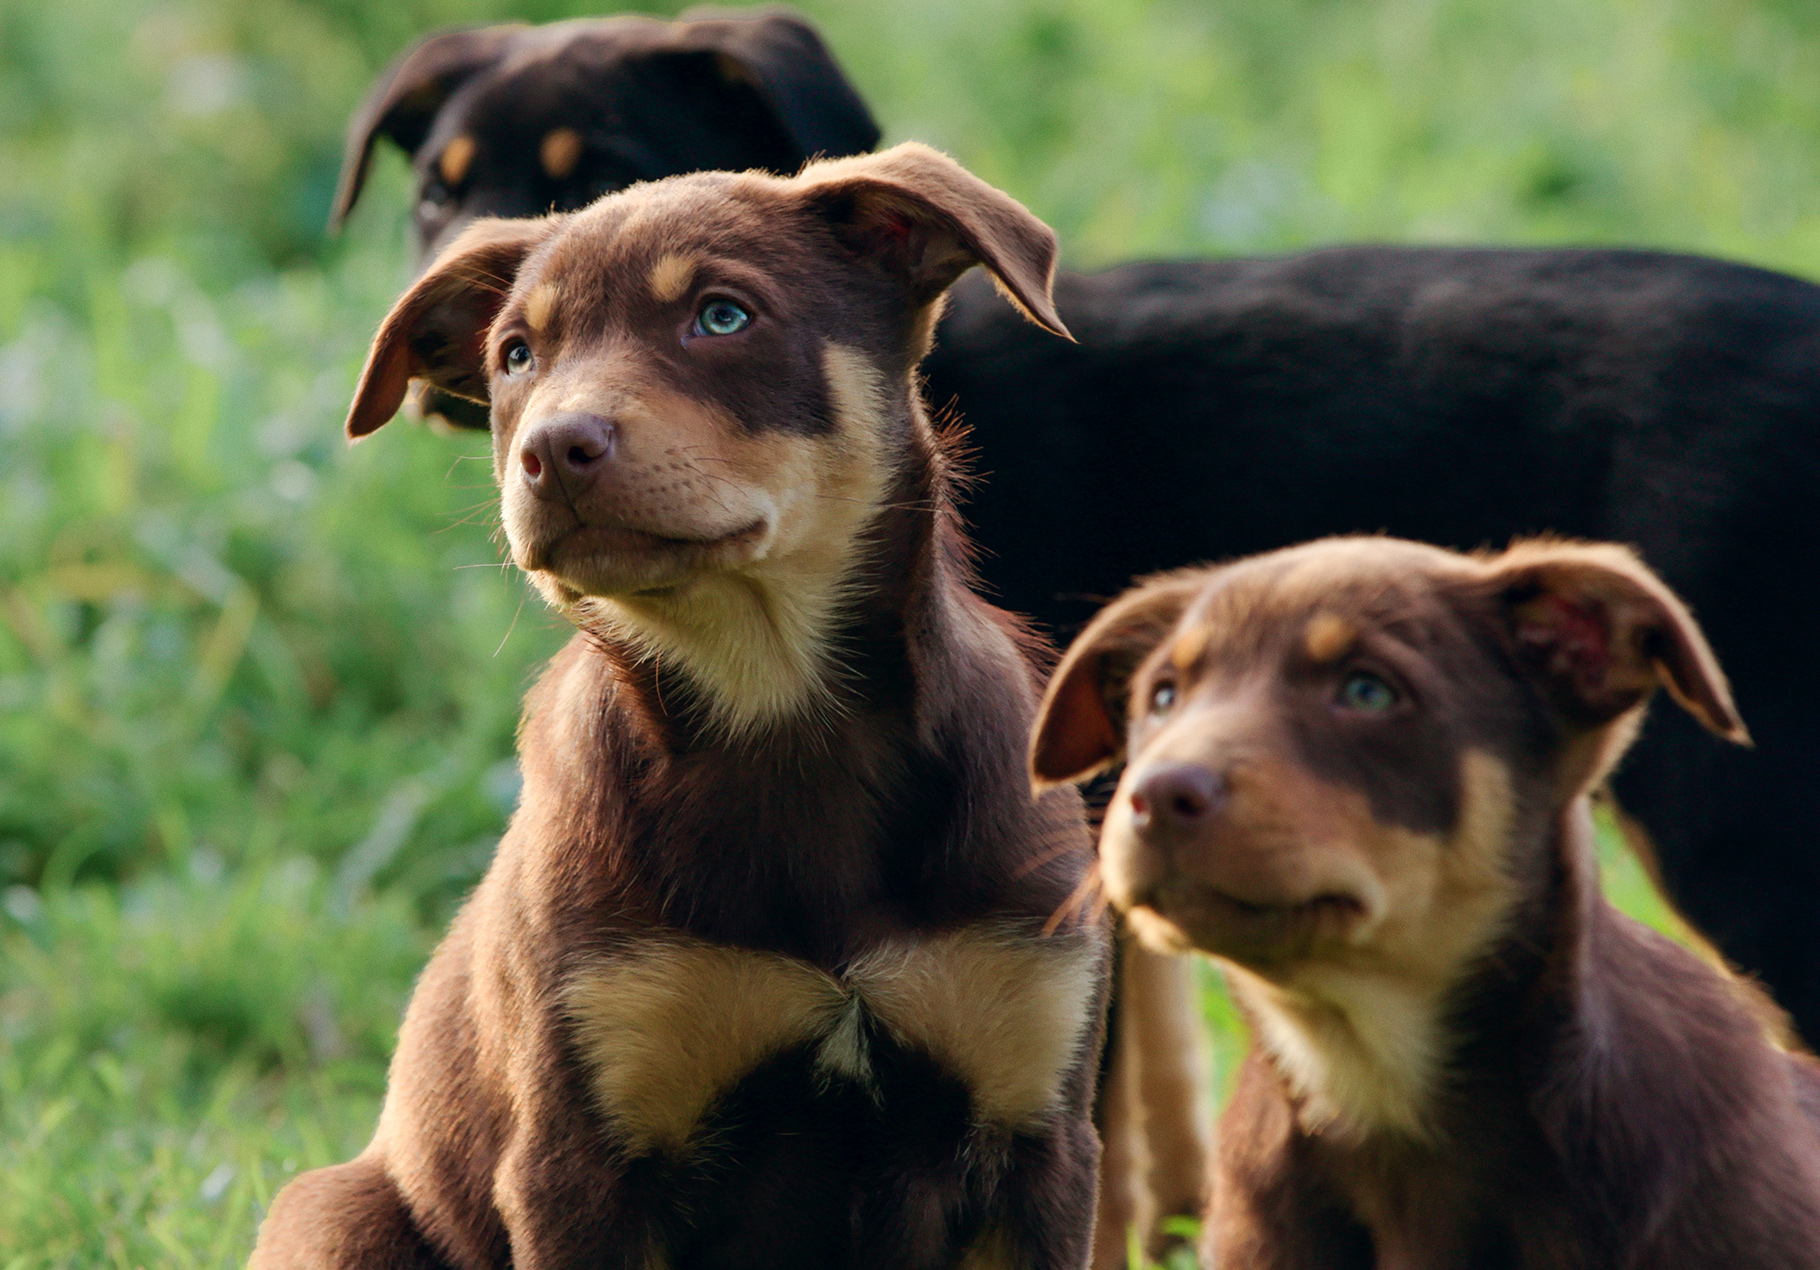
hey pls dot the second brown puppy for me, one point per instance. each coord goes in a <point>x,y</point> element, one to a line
<point>1360,775</point>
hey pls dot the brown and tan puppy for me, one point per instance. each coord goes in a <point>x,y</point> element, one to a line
<point>759,976</point>
<point>1359,775</point>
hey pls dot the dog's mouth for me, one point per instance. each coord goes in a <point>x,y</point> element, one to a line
<point>597,559</point>
<point>1184,913</point>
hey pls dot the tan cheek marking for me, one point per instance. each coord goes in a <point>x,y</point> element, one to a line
<point>455,159</point>
<point>559,152</point>
<point>670,278</point>
<point>1327,636</point>
<point>1359,1031</point>
<point>1005,1015</point>
<point>668,1030</point>
<point>540,304</point>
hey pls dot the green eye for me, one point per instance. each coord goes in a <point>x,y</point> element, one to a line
<point>1162,697</point>
<point>1367,693</point>
<point>721,317</point>
<point>518,357</point>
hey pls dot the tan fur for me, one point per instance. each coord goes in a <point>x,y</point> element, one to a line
<point>455,160</point>
<point>1161,1005</point>
<point>1326,636</point>
<point>755,636</point>
<point>1189,648</point>
<point>1001,1012</point>
<point>540,304</point>
<point>670,277</point>
<point>1356,1029</point>
<point>1123,1159</point>
<point>559,152</point>
<point>668,1027</point>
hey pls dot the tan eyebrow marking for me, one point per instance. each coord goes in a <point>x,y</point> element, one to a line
<point>1189,648</point>
<point>671,276</point>
<point>1327,635</point>
<point>539,303</point>
<point>559,152</point>
<point>455,159</point>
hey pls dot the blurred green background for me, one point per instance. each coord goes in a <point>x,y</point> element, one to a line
<point>257,690</point>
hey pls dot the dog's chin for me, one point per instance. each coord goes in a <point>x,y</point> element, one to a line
<point>616,560</point>
<point>1183,914</point>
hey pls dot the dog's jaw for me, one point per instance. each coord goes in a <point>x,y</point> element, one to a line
<point>752,624</point>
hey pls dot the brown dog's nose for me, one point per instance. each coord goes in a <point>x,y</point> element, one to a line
<point>564,452</point>
<point>1175,799</point>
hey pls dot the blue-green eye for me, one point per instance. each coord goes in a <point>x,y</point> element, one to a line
<point>518,357</point>
<point>1162,698</point>
<point>721,317</point>
<point>1367,693</point>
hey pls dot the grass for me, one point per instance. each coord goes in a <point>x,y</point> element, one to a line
<point>257,690</point>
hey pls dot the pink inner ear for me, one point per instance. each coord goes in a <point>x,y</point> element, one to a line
<point>896,227</point>
<point>1576,637</point>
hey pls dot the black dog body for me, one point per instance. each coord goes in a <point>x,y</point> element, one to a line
<point>1461,397</point>
<point>1217,408</point>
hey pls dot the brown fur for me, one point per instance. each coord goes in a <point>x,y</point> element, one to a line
<point>759,975</point>
<point>1359,776</point>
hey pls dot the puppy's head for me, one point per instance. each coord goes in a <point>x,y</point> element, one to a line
<point>1336,752</point>
<point>517,121</point>
<point>702,392</point>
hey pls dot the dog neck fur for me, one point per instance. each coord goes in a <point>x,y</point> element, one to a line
<point>760,645</point>
<point>1363,1042</point>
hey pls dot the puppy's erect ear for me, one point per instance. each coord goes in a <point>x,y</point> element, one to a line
<point>405,98</point>
<point>1080,726</point>
<point>437,330</point>
<point>1602,632</point>
<point>927,219</point>
<point>784,60</point>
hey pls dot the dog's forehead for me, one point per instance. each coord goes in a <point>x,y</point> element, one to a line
<point>1318,600</point>
<point>655,234</point>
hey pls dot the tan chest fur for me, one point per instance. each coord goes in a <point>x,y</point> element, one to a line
<point>670,1025</point>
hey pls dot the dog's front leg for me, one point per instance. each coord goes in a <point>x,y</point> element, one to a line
<point>1046,1201</point>
<point>560,1187</point>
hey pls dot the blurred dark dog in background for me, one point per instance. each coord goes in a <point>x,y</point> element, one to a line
<point>1216,408</point>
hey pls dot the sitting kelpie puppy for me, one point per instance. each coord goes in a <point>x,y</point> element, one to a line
<point>1359,775</point>
<point>765,971</point>
<point>1213,408</point>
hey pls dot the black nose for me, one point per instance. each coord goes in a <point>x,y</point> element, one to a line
<point>1176,798</point>
<point>564,452</point>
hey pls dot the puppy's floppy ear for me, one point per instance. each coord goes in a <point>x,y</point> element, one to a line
<point>1601,632</point>
<point>405,98</point>
<point>926,219</point>
<point>437,330</point>
<point>1080,725</point>
<point>782,58</point>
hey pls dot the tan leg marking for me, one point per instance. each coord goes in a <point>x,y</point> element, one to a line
<point>1121,1151</point>
<point>1161,1013</point>
<point>456,157</point>
<point>559,152</point>
<point>670,277</point>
